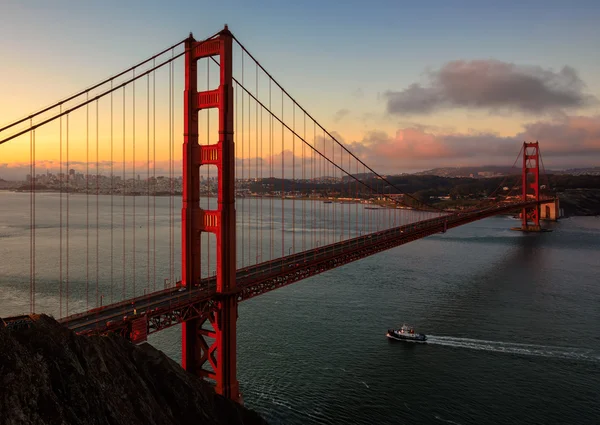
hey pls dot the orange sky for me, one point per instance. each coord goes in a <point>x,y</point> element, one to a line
<point>398,115</point>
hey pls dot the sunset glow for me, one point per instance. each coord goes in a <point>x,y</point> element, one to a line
<point>405,108</point>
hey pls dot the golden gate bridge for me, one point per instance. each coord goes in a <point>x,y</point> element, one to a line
<point>308,214</point>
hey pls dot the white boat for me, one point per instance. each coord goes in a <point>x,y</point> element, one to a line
<point>406,333</point>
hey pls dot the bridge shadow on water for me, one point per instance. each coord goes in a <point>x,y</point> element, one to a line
<point>519,264</point>
<point>510,296</point>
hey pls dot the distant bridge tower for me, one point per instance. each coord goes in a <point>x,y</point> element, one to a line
<point>530,217</point>
<point>204,347</point>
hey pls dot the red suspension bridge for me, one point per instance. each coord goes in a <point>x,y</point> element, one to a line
<point>268,197</point>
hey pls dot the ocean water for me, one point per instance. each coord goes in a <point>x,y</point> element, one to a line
<point>513,320</point>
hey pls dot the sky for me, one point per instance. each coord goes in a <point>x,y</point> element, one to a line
<point>406,85</point>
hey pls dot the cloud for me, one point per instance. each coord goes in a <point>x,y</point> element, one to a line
<point>492,85</point>
<point>568,142</point>
<point>567,137</point>
<point>340,114</point>
<point>411,149</point>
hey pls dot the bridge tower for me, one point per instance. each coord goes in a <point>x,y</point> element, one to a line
<point>204,347</point>
<point>531,187</point>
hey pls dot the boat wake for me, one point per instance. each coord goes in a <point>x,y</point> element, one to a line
<point>570,353</point>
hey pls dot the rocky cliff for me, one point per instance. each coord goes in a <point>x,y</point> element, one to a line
<point>49,375</point>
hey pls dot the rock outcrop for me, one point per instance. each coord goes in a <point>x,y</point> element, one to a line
<point>49,375</point>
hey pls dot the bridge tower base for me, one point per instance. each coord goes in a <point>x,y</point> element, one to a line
<point>209,341</point>
<point>550,211</point>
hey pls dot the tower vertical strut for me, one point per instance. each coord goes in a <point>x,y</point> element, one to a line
<point>214,348</point>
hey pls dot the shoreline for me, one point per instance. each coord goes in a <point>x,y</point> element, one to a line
<point>574,202</point>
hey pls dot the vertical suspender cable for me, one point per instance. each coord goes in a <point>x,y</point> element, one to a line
<point>293,178</point>
<point>97,207</point>
<point>256,161</point>
<point>323,225</point>
<point>247,198</point>
<point>342,195</point>
<point>67,233</point>
<point>314,185</point>
<point>357,200</point>
<point>123,193</point>
<point>354,197</point>
<point>87,205</point>
<point>172,170</point>
<point>335,183</point>
<point>332,207</point>
<point>304,188</point>
<point>350,195</point>
<point>324,216</point>
<point>60,176</point>
<point>33,248</point>
<point>262,162</point>
<point>170,175</point>
<point>154,175</point>
<point>366,194</point>
<point>282,184</point>
<point>134,195</point>
<point>31,179</point>
<point>237,155</point>
<point>272,177</point>
<point>112,188</point>
<point>148,184</point>
<point>243,263</point>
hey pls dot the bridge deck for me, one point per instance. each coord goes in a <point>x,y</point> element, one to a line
<point>168,307</point>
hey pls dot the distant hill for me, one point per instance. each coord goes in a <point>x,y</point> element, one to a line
<point>594,171</point>
<point>360,176</point>
<point>6,184</point>
<point>474,172</point>
<point>487,171</point>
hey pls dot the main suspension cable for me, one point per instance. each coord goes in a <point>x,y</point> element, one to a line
<point>87,90</point>
<point>327,132</point>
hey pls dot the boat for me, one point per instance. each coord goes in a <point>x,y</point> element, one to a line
<point>406,333</point>
<point>327,202</point>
